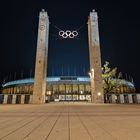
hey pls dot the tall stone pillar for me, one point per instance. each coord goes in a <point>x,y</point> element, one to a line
<point>95,58</point>
<point>41,59</point>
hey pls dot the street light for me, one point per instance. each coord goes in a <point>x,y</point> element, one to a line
<point>49,93</point>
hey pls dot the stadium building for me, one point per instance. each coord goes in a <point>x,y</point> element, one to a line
<point>64,88</point>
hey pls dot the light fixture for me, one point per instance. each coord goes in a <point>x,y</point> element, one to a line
<point>89,74</point>
<point>99,93</point>
<point>48,92</point>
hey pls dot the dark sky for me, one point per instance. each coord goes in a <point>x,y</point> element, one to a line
<point>119,23</point>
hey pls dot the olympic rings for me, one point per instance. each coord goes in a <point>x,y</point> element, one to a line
<point>68,34</point>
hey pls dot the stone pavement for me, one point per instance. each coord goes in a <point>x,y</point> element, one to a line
<point>70,121</point>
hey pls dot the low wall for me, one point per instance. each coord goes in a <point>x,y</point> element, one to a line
<point>125,98</point>
<point>15,99</point>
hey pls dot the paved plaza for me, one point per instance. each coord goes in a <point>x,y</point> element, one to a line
<point>70,121</point>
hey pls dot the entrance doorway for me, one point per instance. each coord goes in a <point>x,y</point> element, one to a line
<point>9,100</point>
<point>126,100</point>
<point>18,99</point>
<point>134,99</point>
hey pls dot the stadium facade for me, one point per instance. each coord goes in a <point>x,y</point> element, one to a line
<point>65,88</point>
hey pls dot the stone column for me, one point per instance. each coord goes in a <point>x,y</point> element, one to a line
<point>22,99</point>
<point>31,99</point>
<point>113,98</point>
<point>72,91</point>
<point>85,91</point>
<point>95,58</point>
<point>121,98</point>
<point>19,89</point>
<point>41,59</point>
<point>65,91</point>
<point>5,99</point>
<point>138,98</point>
<point>14,99</point>
<point>78,92</point>
<point>130,98</point>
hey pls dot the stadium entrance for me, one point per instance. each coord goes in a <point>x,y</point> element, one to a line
<point>68,88</point>
<point>40,83</point>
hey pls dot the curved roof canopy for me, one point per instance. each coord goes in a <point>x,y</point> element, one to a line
<point>63,79</point>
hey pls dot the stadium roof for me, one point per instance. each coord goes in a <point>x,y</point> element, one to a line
<point>62,79</point>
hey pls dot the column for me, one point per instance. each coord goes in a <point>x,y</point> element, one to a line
<point>65,91</point>
<point>22,98</point>
<point>31,99</point>
<point>78,92</point>
<point>5,99</point>
<point>121,98</point>
<point>95,58</point>
<point>14,99</point>
<point>113,98</point>
<point>85,91</point>
<point>41,59</point>
<point>138,98</point>
<point>130,98</point>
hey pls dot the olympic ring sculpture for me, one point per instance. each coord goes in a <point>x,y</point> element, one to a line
<point>68,34</point>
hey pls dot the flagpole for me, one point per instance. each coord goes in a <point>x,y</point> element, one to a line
<point>126,75</point>
<point>10,77</point>
<point>68,71</point>
<point>30,73</point>
<point>62,70</point>
<point>15,76</point>
<point>21,74</point>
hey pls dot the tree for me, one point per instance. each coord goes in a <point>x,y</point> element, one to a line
<point>110,78</point>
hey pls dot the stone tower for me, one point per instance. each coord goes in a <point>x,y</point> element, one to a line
<point>95,59</point>
<point>41,59</point>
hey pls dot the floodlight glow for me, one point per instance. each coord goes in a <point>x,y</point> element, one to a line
<point>99,93</point>
<point>89,74</point>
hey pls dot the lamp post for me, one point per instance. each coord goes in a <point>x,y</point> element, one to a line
<point>48,95</point>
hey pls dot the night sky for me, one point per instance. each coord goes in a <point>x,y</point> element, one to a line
<point>119,23</point>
